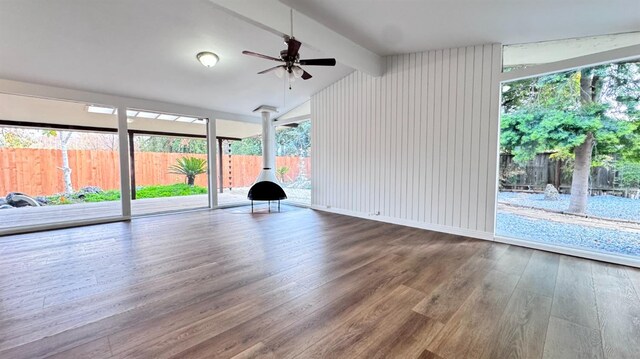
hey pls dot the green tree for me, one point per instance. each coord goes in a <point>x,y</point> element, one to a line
<point>290,141</point>
<point>574,112</point>
<point>14,138</point>
<point>294,141</point>
<point>171,144</point>
<point>250,146</point>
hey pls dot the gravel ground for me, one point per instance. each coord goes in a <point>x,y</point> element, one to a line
<point>600,206</point>
<point>570,235</point>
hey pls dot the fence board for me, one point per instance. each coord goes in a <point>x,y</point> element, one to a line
<point>541,170</point>
<point>37,171</point>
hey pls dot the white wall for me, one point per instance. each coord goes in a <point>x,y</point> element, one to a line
<point>417,145</point>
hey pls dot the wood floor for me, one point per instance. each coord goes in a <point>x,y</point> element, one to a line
<point>303,284</point>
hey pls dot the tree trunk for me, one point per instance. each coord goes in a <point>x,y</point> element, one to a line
<point>191,180</point>
<point>580,179</point>
<point>582,167</point>
<point>66,170</point>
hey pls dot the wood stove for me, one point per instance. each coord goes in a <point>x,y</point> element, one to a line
<point>266,187</point>
<point>266,191</point>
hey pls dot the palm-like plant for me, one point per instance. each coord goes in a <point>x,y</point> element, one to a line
<point>189,167</point>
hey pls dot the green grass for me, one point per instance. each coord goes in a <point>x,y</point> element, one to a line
<point>105,196</point>
<point>174,190</point>
<point>59,200</point>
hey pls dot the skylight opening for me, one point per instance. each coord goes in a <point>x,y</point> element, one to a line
<point>101,110</point>
<point>186,119</point>
<point>167,117</point>
<point>143,114</point>
<point>104,110</point>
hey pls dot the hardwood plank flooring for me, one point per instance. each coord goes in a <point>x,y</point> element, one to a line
<point>303,284</point>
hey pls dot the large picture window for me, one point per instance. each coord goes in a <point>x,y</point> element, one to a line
<point>570,160</point>
<point>59,163</point>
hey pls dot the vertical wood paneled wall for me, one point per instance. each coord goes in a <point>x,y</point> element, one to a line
<point>416,146</point>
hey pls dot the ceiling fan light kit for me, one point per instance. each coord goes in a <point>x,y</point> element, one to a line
<point>290,59</point>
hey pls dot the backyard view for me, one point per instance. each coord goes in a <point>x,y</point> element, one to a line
<point>570,159</point>
<point>242,163</point>
<point>70,167</point>
<point>69,173</point>
<point>51,176</point>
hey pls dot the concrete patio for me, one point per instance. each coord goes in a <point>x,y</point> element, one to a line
<point>36,216</point>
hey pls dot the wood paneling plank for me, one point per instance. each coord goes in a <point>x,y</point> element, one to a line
<point>569,340</point>
<point>618,311</point>
<point>522,328</point>
<point>540,274</point>
<point>468,334</point>
<point>574,298</point>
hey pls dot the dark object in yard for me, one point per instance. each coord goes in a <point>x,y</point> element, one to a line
<point>82,193</point>
<point>17,199</point>
<point>90,189</point>
<point>5,206</point>
<point>266,191</point>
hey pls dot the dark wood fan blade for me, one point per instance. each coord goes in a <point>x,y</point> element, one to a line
<point>306,75</point>
<point>294,47</point>
<point>269,70</point>
<point>318,62</point>
<point>251,53</point>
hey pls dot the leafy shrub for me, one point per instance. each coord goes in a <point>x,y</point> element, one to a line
<point>281,172</point>
<point>189,167</point>
<point>628,174</point>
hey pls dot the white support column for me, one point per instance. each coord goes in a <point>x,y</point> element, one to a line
<point>212,155</point>
<point>125,174</point>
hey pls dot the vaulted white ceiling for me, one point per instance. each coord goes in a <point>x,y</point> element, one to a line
<point>402,26</point>
<point>147,49</point>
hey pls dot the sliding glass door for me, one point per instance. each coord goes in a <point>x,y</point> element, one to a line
<point>168,159</point>
<point>59,163</point>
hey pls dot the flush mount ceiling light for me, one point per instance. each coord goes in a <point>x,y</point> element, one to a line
<point>208,59</point>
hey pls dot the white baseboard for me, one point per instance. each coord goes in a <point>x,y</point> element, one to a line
<point>409,223</point>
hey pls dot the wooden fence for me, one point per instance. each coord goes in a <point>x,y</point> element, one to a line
<point>37,171</point>
<point>536,173</point>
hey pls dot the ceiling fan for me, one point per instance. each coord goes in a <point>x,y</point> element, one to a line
<point>290,59</point>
